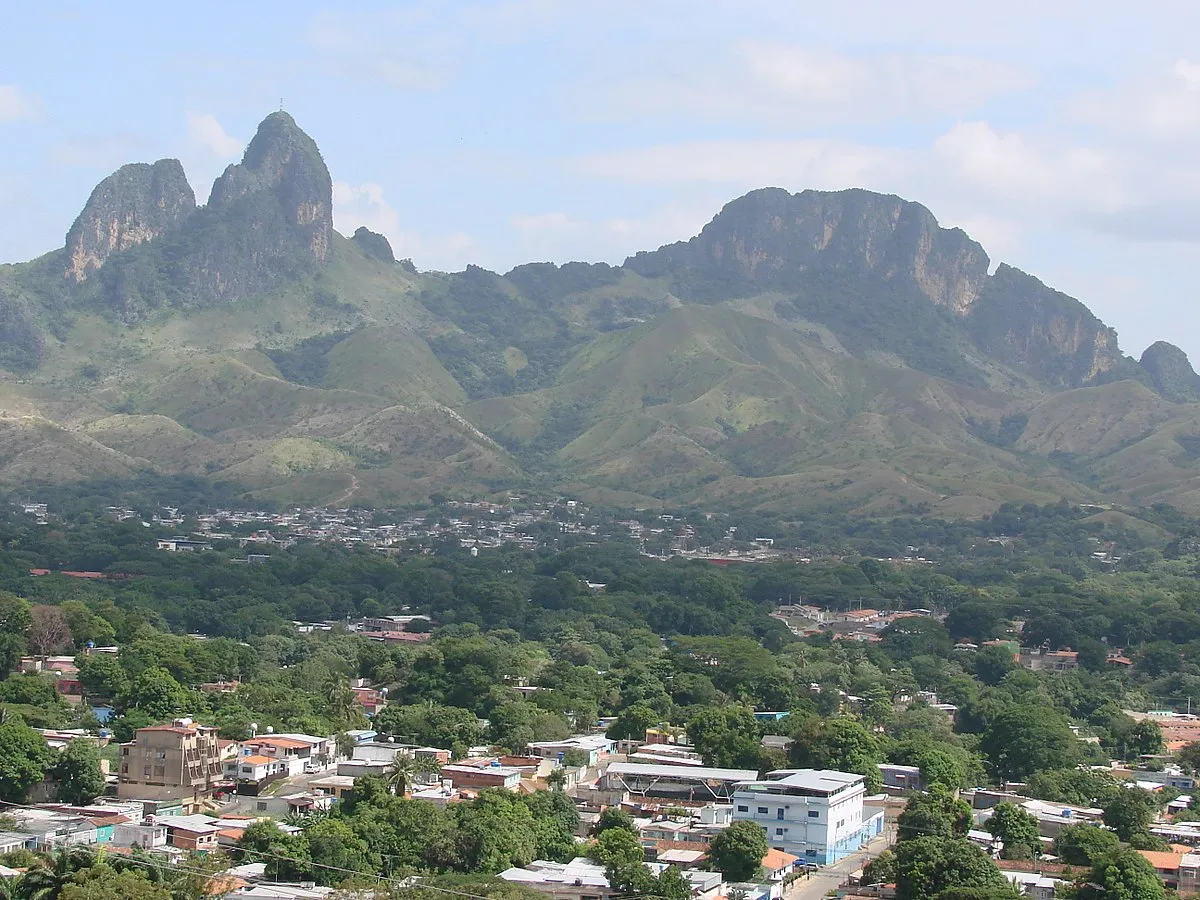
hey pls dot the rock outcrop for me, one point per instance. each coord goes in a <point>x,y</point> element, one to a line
<point>284,162</point>
<point>373,244</point>
<point>135,204</point>
<point>772,240</point>
<point>1170,373</point>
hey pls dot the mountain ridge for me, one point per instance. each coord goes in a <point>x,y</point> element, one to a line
<point>808,350</point>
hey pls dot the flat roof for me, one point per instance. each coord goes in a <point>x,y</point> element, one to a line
<point>689,773</point>
<point>822,780</point>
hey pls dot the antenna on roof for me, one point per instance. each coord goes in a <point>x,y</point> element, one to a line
<point>281,104</point>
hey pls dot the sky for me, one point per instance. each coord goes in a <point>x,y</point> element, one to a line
<point>1063,136</point>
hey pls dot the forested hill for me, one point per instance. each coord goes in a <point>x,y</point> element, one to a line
<point>809,351</point>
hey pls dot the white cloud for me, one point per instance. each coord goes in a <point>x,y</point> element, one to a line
<point>206,133</point>
<point>364,205</point>
<point>16,104</point>
<point>756,163</point>
<point>801,86</point>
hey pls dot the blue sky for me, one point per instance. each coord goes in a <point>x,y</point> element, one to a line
<point>1063,135</point>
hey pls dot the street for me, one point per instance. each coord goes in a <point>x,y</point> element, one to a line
<point>828,878</point>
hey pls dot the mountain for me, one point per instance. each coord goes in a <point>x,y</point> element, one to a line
<point>803,351</point>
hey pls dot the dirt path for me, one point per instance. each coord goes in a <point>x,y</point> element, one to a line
<point>350,492</point>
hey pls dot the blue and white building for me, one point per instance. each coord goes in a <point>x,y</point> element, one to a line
<point>815,814</point>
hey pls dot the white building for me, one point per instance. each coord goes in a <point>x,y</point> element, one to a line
<point>579,879</point>
<point>815,814</point>
<point>595,746</point>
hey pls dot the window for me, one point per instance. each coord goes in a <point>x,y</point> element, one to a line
<point>743,809</point>
<point>160,771</point>
<point>813,814</point>
<point>145,771</point>
<point>762,811</point>
<point>779,813</point>
<point>778,832</point>
<point>262,805</point>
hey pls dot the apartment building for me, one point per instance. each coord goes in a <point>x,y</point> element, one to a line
<point>180,761</point>
<point>814,814</point>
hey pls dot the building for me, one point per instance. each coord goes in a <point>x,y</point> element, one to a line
<point>180,761</point>
<point>253,773</point>
<point>698,783</point>
<point>901,778</point>
<point>580,879</point>
<point>477,777</point>
<point>1039,660</point>
<point>148,834</point>
<point>814,814</point>
<point>199,833</point>
<point>593,746</point>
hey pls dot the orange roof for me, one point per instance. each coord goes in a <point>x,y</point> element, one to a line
<point>1160,859</point>
<point>777,859</point>
<point>285,743</point>
<point>232,833</point>
<point>257,760</point>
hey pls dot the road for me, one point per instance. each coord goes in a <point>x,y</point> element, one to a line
<point>829,878</point>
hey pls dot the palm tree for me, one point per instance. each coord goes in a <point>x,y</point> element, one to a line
<point>342,700</point>
<point>400,773</point>
<point>54,871</point>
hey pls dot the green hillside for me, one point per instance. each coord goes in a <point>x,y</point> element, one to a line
<point>804,351</point>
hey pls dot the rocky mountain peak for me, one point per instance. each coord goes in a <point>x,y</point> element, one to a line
<point>283,159</point>
<point>373,244</point>
<point>135,204</point>
<point>770,239</point>
<point>1171,373</point>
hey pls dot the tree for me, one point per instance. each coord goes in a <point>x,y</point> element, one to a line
<point>938,813</point>
<point>431,724</point>
<point>285,856</point>
<point>926,866</point>
<point>77,773</point>
<point>336,850</point>
<point>880,870</point>
<point>840,743</point>
<point>48,632</point>
<point>1130,813</point>
<point>1025,738</point>
<point>993,663</point>
<point>156,693</point>
<point>975,620</point>
<point>1016,829</point>
<point>737,851</point>
<point>102,676</point>
<point>400,773</point>
<point>1085,845</point>
<point>555,819</point>
<point>632,722</point>
<point>727,737</point>
<point>672,885</point>
<point>102,882</point>
<point>613,817</point>
<point>493,832</point>
<point>1189,756</point>
<point>24,758</point>
<point>1126,875</point>
<point>616,846</point>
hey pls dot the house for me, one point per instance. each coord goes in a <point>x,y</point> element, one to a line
<point>777,865</point>
<point>1166,865</point>
<point>252,773</point>
<point>336,786</point>
<point>815,814</point>
<point>1189,873</point>
<point>180,761</point>
<point>674,782</point>
<point>302,803</point>
<point>579,879</point>
<point>899,779</point>
<point>293,752</point>
<point>183,545</point>
<point>51,827</point>
<point>476,777</point>
<point>1034,884</point>
<point>1040,660</point>
<point>148,834</point>
<point>199,833</point>
<point>593,746</point>
<point>370,699</point>
<point>279,892</point>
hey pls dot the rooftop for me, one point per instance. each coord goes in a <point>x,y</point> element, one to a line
<point>690,773</point>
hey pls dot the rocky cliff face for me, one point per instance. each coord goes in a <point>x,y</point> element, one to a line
<point>135,204</point>
<point>1043,332</point>
<point>1170,373</point>
<point>284,162</point>
<point>773,240</point>
<point>269,220</point>
<point>373,244</point>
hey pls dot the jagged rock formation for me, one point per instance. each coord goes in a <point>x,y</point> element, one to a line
<point>770,240</point>
<point>283,161</point>
<point>269,220</point>
<point>1053,337</point>
<point>135,204</point>
<point>373,244</point>
<point>1170,373</point>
